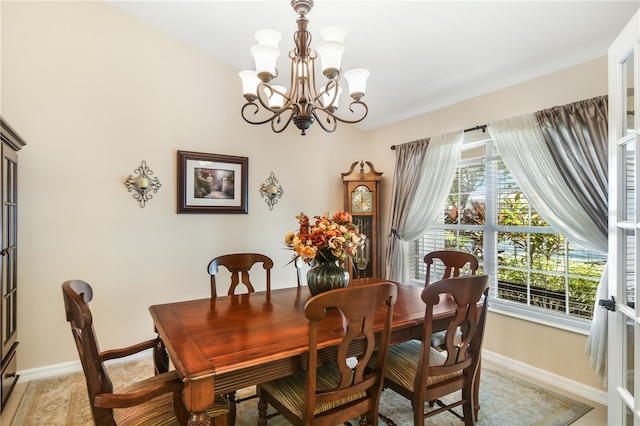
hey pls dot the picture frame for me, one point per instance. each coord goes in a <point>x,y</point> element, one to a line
<point>212,183</point>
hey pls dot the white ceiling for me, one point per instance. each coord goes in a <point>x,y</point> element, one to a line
<point>423,55</point>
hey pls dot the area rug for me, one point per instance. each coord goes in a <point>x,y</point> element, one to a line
<point>504,400</point>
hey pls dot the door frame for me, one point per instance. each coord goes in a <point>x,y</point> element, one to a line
<point>623,322</point>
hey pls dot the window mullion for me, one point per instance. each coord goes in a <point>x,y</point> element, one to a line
<point>490,240</point>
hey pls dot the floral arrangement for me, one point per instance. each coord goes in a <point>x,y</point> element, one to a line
<point>327,238</point>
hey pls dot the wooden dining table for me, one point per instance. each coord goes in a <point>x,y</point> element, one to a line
<point>219,345</point>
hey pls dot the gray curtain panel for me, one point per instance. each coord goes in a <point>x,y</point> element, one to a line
<point>576,135</point>
<point>410,158</point>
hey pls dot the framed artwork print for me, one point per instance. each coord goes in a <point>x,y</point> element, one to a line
<point>211,183</point>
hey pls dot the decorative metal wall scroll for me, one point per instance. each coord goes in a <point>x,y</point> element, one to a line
<point>142,184</point>
<point>271,191</point>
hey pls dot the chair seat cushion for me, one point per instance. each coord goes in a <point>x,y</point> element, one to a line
<point>158,411</point>
<point>290,390</point>
<point>402,364</point>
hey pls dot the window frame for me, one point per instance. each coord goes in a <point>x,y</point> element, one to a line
<point>491,229</point>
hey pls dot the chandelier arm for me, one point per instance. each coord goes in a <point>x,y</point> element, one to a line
<point>257,109</point>
<point>330,118</point>
<point>265,105</point>
<point>311,80</point>
<point>293,83</point>
<point>276,119</point>
<point>344,120</point>
<point>275,112</point>
<point>317,100</point>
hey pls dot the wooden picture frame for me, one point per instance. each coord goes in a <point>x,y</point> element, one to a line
<point>212,183</point>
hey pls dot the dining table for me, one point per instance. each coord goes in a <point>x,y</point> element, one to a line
<point>222,344</point>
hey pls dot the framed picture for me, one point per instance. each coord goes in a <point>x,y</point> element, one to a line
<point>211,183</point>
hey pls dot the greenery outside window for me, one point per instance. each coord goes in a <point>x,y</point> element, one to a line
<point>536,273</point>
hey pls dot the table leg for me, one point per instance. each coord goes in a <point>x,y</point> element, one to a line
<point>198,396</point>
<point>199,419</point>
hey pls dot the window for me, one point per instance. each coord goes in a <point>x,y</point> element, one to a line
<point>536,272</point>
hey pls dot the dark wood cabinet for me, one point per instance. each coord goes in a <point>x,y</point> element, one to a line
<point>11,144</point>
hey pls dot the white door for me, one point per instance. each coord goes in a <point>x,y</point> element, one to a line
<point>624,226</point>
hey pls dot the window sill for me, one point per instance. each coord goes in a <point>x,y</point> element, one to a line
<point>538,316</point>
<point>549,319</point>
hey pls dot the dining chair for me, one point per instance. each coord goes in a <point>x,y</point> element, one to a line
<point>238,265</point>
<point>452,261</point>
<point>421,373</point>
<point>152,401</point>
<point>341,388</point>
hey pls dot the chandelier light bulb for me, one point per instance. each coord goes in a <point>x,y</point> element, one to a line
<point>357,79</point>
<point>265,57</point>
<point>330,53</point>
<point>268,38</point>
<point>250,83</point>
<point>333,33</point>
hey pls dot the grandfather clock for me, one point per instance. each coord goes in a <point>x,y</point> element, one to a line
<point>362,201</point>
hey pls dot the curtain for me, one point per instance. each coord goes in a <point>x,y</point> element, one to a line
<point>424,172</point>
<point>410,159</point>
<point>558,158</point>
<point>577,136</point>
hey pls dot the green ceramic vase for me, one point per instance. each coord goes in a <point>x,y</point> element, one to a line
<point>326,275</point>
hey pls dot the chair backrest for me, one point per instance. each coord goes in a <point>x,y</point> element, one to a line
<point>463,336</point>
<point>357,308</point>
<point>77,294</point>
<point>454,261</point>
<point>239,265</point>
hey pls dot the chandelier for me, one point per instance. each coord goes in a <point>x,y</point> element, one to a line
<point>304,102</point>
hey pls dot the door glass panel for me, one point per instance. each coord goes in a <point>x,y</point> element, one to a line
<point>628,160</point>
<point>628,416</point>
<point>628,346</point>
<point>629,90</point>
<point>629,272</point>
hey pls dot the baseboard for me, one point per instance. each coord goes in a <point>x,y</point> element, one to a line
<point>521,369</point>
<point>512,366</point>
<point>69,367</point>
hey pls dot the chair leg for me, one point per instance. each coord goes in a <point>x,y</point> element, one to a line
<point>418,412</point>
<point>231,400</point>
<point>182,414</point>
<point>221,420</point>
<point>468,410</point>
<point>476,390</point>
<point>262,412</point>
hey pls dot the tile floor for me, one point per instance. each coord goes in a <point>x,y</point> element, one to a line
<point>595,417</point>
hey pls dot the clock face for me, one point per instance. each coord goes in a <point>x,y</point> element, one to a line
<point>362,200</point>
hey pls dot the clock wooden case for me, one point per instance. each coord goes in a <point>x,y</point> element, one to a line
<point>362,201</point>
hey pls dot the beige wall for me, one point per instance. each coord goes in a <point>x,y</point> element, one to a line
<point>94,92</point>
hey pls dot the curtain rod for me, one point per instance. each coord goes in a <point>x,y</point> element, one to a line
<point>471,129</point>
